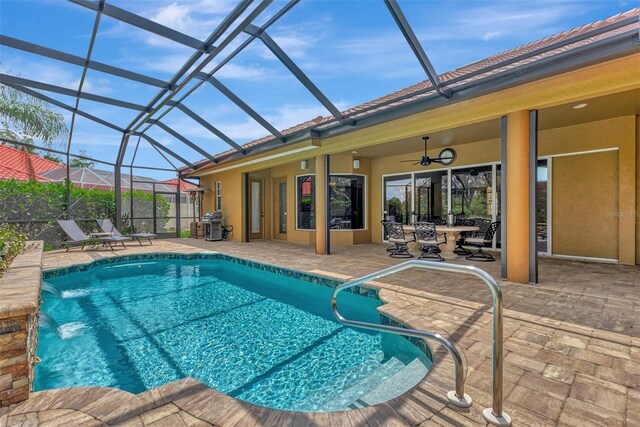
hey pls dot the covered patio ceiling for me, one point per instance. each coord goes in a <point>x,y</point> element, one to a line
<point>600,108</point>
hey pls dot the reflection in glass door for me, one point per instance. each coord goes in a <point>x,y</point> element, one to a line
<point>472,192</point>
<point>397,198</point>
<point>431,196</point>
<point>542,217</point>
<point>256,209</point>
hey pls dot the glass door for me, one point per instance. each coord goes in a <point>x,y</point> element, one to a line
<point>472,193</point>
<point>397,198</point>
<point>256,209</point>
<point>431,196</point>
<point>280,208</point>
<point>542,205</point>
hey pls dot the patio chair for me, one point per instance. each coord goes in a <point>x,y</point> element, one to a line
<point>108,227</point>
<point>392,247</point>
<point>482,241</point>
<point>77,237</point>
<point>397,236</point>
<point>429,240</point>
<point>463,222</point>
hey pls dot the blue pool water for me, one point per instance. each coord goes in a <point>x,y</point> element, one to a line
<point>255,335</point>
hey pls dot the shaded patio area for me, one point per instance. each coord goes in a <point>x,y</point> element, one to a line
<point>571,347</point>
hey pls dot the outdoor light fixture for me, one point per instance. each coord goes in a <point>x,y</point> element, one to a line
<point>304,164</point>
<point>356,164</point>
<point>579,106</point>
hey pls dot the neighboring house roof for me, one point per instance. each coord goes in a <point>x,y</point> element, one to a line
<point>474,72</point>
<point>23,166</point>
<point>184,185</point>
<point>103,180</point>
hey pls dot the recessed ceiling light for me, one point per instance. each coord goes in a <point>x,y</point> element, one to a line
<point>579,106</point>
<point>354,152</point>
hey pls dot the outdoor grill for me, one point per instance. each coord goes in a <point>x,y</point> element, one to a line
<point>213,228</point>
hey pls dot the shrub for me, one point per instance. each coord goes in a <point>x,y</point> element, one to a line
<point>35,206</point>
<point>12,243</point>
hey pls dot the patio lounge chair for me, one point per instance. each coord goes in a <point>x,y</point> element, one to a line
<point>399,238</point>
<point>480,242</point>
<point>108,227</point>
<point>77,237</point>
<point>429,240</point>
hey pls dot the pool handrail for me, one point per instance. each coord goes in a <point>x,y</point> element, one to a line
<point>493,415</point>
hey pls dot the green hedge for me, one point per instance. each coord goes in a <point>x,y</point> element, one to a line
<point>39,204</point>
<point>12,243</point>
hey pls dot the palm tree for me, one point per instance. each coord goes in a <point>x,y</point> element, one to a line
<point>24,118</point>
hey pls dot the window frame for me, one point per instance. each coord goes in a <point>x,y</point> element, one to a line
<point>365,201</point>
<point>218,195</point>
<point>297,200</point>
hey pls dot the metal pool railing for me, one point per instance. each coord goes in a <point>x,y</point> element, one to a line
<point>457,397</point>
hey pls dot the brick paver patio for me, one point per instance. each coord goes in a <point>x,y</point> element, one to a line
<point>572,349</point>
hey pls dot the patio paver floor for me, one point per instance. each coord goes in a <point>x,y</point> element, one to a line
<point>572,348</point>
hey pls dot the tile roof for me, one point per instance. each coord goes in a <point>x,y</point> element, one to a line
<point>496,64</point>
<point>23,166</point>
<point>91,178</point>
<point>184,185</point>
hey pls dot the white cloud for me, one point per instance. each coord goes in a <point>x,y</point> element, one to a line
<point>94,139</point>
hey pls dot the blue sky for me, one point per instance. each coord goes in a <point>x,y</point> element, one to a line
<point>352,50</point>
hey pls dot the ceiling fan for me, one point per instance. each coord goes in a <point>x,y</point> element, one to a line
<point>446,156</point>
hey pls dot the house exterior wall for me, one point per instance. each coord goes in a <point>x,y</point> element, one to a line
<point>618,135</point>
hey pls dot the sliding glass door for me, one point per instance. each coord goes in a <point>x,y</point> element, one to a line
<point>431,203</point>
<point>397,197</point>
<point>472,193</point>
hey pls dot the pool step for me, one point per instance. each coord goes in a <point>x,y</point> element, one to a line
<point>353,393</point>
<point>398,383</point>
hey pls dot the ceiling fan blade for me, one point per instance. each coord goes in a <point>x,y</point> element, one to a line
<point>404,161</point>
<point>417,163</point>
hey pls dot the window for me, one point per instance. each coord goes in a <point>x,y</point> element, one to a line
<point>218,195</point>
<point>306,202</point>
<point>346,204</point>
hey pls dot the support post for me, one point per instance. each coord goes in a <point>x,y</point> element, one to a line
<point>247,194</point>
<point>518,202</point>
<point>321,204</point>
<point>178,208</point>
<point>327,215</point>
<point>117,169</point>
<point>503,197</point>
<point>533,195</point>
<point>118,195</point>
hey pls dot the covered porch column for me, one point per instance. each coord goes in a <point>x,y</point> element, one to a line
<point>323,241</point>
<point>519,168</point>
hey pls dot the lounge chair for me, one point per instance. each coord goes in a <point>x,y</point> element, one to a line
<point>397,236</point>
<point>77,237</point>
<point>429,240</point>
<point>108,227</point>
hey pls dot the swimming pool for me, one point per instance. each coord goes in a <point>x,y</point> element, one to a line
<point>264,335</point>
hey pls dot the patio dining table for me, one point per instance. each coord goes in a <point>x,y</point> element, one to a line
<point>453,234</point>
